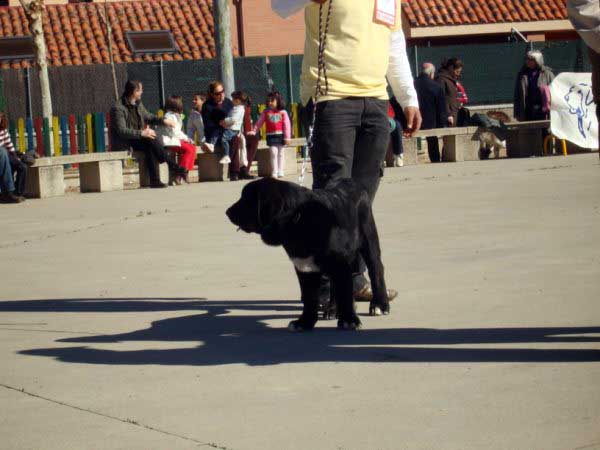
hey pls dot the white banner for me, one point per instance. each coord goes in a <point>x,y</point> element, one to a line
<point>573,112</point>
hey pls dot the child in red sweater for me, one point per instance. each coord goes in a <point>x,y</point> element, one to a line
<point>278,131</point>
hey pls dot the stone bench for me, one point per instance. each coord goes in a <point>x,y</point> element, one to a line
<point>525,139</point>
<point>98,172</point>
<point>263,157</point>
<point>162,169</point>
<point>209,168</point>
<point>457,144</point>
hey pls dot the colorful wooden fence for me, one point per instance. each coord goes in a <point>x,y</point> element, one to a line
<point>66,134</point>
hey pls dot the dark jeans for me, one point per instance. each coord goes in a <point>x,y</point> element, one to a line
<point>155,153</point>
<point>6,178</point>
<point>433,148</point>
<point>226,137</point>
<point>19,169</point>
<point>351,140</point>
<point>396,137</point>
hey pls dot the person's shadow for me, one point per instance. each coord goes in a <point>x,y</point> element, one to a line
<point>233,332</point>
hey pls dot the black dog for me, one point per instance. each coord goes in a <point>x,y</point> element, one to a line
<point>323,232</point>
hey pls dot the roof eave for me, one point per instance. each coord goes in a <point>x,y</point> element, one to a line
<point>479,29</point>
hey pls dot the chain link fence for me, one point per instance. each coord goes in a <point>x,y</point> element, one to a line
<point>489,77</point>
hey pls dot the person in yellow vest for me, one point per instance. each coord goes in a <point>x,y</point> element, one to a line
<point>364,46</point>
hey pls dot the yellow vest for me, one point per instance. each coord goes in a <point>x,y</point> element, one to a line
<point>356,51</point>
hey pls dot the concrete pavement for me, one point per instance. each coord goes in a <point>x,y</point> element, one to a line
<point>141,320</point>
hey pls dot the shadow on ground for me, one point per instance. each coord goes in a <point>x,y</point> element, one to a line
<point>234,332</point>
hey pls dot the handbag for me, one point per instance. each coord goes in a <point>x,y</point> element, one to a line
<point>28,158</point>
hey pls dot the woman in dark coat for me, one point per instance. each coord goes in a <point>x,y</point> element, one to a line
<point>447,77</point>
<point>532,80</point>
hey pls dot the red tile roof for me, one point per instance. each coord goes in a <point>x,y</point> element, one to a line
<point>76,34</point>
<point>429,13</point>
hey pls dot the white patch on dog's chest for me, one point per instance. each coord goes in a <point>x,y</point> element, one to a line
<point>305,264</point>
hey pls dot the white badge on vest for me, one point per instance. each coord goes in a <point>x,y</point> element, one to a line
<point>385,12</point>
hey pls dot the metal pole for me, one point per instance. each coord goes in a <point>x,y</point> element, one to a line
<point>223,38</point>
<point>290,79</point>
<point>162,83</point>
<point>416,62</point>
<point>29,112</point>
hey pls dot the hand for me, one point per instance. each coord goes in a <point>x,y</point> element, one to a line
<point>413,120</point>
<point>286,142</point>
<point>169,123</point>
<point>450,120</point>
<point>148,133</point>
<point>251,133</point>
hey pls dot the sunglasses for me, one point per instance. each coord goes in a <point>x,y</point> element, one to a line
<point>219,93</point>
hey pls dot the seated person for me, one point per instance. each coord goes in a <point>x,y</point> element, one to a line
<point>129,128</point>
<point>232,124</point>
<point>18,167</point>
<point>175,139</point>
<point>195,124</point>
<point>7,185</point>
<point>215,109</point>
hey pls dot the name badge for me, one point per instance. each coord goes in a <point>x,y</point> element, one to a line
<point>385,12</point>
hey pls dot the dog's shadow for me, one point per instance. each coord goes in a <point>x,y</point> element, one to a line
<point>233,332</point>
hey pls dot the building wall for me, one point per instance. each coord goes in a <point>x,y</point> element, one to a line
<point>265,33</point>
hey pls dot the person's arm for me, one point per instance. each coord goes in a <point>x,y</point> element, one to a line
<point>6,141</point>
<point>259,123</point>
<point>402,83</point>
<point>285,8</point>
<point>287,126</point>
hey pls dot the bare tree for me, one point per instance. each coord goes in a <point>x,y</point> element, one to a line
<point>34,10</point>
<point>106,19</point>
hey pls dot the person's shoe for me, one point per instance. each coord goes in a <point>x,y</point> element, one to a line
<point>366,294</point>
<point>178,179</point>
<point>9,197</point>
<point>398,160</point>
<point>158,185</point>
<point>208,147</point>
<point>225,160</point>
<point>246,176</point>
<point>234,177</point>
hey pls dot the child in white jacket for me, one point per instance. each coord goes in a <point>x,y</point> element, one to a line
<point>175,139</point>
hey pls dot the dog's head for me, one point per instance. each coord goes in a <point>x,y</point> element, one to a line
<point>265,206</point>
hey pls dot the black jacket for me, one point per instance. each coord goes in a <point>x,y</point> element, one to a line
<point>431,103</point>
<point>212,114</point>
<point>127,123</point>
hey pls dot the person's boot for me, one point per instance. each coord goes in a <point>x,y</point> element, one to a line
<point>9,197</point>
<point>157,184</point>
<point>244,175</point>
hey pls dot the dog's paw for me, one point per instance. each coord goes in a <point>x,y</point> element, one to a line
<point>350,324</point>
<point>301,325</point>
<point>379,308</point>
